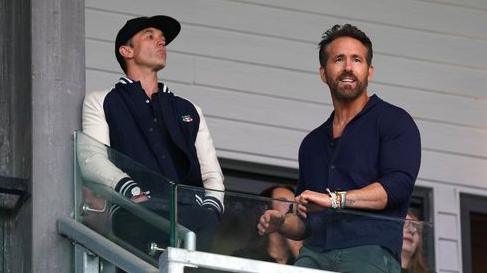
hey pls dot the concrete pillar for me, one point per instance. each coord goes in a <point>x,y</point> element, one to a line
<point>58,86</point>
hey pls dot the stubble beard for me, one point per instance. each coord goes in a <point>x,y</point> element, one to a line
<point>347,93</point>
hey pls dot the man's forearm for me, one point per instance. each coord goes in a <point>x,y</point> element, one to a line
<point>372,197</point>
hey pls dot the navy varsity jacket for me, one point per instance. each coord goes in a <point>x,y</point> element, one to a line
<point>120,118</point>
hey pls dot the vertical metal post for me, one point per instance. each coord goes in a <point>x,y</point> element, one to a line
<point>173,196</point>
<point>86,261</point>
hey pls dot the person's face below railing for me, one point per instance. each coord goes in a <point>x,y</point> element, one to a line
<point>175,213</point>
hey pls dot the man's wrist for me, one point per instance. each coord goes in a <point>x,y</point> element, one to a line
<point>343,198</point>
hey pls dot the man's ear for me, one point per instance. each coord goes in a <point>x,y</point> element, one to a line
<point>323,74</point>
<point>371,73</point>
<point>126,51</point>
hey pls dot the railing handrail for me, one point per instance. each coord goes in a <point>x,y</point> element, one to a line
<point>173,260</point>
<point>103,247</point>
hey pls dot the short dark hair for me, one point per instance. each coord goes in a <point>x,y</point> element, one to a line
<point>338,31</point>
<point>270,190</point>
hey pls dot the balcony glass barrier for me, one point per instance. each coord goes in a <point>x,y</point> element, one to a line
<point>144,225</point>
<point>183,216</point>
<point>235,232</point>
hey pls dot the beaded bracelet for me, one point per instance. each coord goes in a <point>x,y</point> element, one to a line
<point>333,199</point>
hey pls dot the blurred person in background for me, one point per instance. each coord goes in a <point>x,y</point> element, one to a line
<point>274,247</point>
<point>412,258</point>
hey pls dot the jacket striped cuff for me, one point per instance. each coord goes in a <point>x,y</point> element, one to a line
<point>211,203</point>
<point>127,187</point>
<point>113,209</point>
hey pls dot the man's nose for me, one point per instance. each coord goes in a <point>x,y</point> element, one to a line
<point>161,41</point>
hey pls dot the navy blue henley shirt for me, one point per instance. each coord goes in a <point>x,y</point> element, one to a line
<point>381,144</point>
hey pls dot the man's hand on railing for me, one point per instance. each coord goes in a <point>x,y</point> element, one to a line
<point>94,201</point>
<point>311,201</point>
<point>270,222</point>
<point>290,225</point>
<point>141,197</point>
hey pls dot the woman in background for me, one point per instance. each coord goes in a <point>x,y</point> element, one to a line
<point>412,258</point>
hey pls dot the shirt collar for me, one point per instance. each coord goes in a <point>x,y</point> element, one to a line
<point>371,103</point>
<point>125,80</point>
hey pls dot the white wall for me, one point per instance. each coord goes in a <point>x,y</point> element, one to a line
<point>252,66</point>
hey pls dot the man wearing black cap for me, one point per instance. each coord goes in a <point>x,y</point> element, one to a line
<point>144,120</point>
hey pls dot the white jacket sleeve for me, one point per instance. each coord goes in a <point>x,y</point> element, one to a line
<point>92,148</point>
<point>211,172</point>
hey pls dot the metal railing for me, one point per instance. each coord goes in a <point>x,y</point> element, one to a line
<point>101,246</point>
<point>188,237</point>
<point>173,260</point>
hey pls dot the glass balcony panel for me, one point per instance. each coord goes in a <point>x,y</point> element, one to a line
<point>144,228</point>
<point>177,214</point>
<point>235,232</point>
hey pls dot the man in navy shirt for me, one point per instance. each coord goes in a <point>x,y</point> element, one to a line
<point>366,156</point>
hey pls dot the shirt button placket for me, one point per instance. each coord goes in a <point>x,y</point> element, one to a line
<point>331,174</point>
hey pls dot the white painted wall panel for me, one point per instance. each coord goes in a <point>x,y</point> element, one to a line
<point>475,4</point>
<point>427,16</point>
<point>447,252</point>
<point>289,24</point>
<point>454,169</point>
<point>446,200</point>
<point>453,139</point>
<point>446,226</point>
<point>297,55</point>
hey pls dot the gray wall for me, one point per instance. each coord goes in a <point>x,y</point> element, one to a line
<point>57,92</point>
<point>15,129</point>
<point>252,65</point>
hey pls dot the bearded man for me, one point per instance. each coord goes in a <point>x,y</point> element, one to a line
<point>365,157</point>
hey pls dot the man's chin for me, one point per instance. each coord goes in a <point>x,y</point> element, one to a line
<point>159,67</point>
<point>347,95</point>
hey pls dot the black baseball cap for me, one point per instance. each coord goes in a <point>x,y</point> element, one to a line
<point>166,24</point>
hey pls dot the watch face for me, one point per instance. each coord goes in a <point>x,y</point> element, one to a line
<point>135,191</point>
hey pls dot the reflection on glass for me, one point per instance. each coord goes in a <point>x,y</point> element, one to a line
<point>142,226</point>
